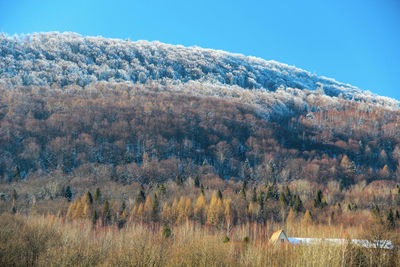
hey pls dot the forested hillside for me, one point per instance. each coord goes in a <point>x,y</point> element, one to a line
<point>124,125</point>
<point>135,119</point>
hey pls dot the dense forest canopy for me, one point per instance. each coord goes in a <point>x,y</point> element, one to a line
<point>67,101</point>
<point>88,110</point>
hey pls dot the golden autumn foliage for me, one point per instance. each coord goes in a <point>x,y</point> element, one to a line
<point>200,209</point>
<point>307,219</point>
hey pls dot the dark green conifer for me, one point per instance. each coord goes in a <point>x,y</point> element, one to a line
<point>179,180</point>
<point>97,196</point>
<point>155,208</point>
<point>106,212</point>
<point>219,194</point>
<point>123,207</point>
<point>197,181</point>
<point>89,197</point>
<point>95,217</point>
<point>298,204</point>
<point>141,197</point>
<point>68,193</point>
<point>254,195</point>
<point>202,189</point>
<point>390,219</point>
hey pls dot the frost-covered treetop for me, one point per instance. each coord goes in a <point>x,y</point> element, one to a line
<point>68,58</point>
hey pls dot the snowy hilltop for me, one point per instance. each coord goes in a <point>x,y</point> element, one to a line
<point>62,59</point>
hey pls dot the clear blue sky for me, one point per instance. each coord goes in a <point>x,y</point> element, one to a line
<point>352,41</point>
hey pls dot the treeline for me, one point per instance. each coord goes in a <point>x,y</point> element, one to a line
<point>223,211</point>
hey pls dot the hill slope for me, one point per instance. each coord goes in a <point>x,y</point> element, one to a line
<point>70,102</point>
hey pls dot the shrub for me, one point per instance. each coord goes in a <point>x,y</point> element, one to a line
<point>225,239</point>
<point>166,232</point>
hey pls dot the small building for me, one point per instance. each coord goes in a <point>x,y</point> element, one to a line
<point>279,237</point>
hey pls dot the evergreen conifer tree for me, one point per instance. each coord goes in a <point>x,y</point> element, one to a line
<point>141,197</point>
<point>155,208</point>
<point>106,212</point>
<point>219,194</point>
<point>97,196</point>
<point>68,193</point>
<point>390,219</point>
<point>254,195</point>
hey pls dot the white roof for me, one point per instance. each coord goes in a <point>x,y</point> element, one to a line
<point>385,244</point>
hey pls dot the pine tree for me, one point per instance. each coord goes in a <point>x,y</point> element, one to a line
<point>319,201</point>
<point>288,196</point>
<point>390,219</point>
<point>243,193</point>
<point>261,212</point>
<point>254,195</point>
<point>197,181</point>
<point>243,190</point>
<point>141,197</point>
<point>107,212</point>
<point>202,189</point>
<point>219,194</point>
<point>95,217</point>
<point>97,196</point>
<point>123,207</point>
<point>282,199</point>
<point>179,180</point>
<point>166,232</point>
<point>298,204</point>
<point>68,193</point>
<point>273,192</point>
<point>271,169</point>
<point>260,199</point>
<point>155,209</point>
<point>89,198</point>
